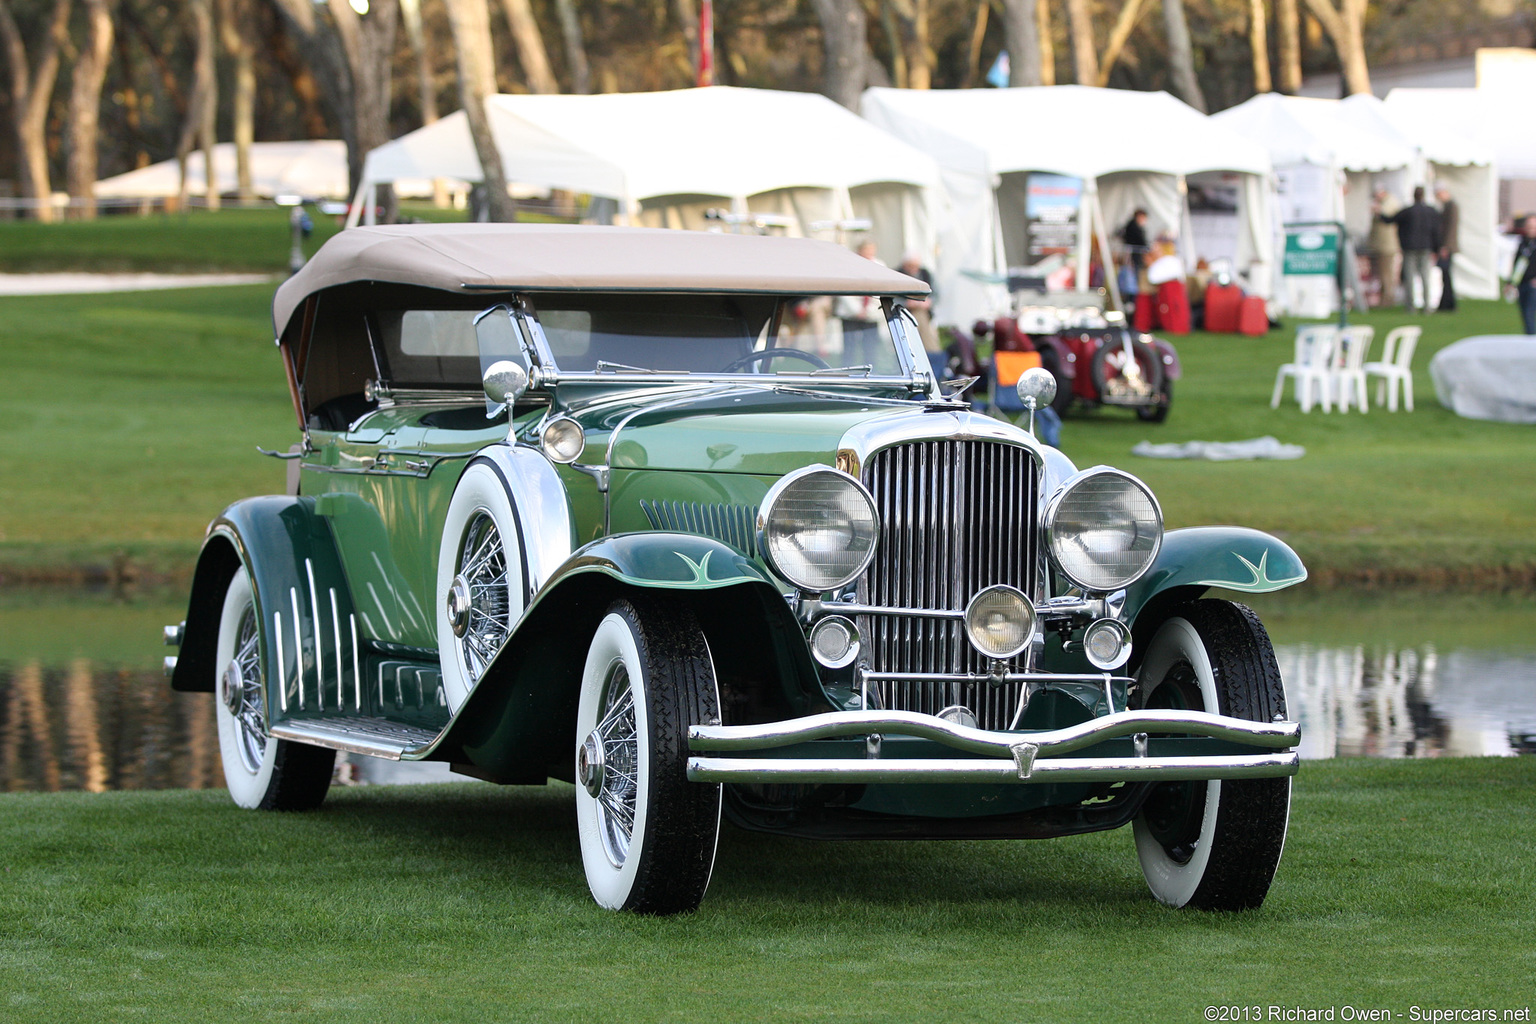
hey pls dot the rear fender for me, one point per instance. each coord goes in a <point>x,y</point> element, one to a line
<point>301,597</point>
<point>520,720</point>
<point>1195,560</point>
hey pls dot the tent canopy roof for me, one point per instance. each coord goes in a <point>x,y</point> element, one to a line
<point>317,168</point>
<point>719,141</point>
<point>1065,129</point>
<point>1304,130</point>
<point>1491,117</point>
<point>565,257</point>
<point>1438,141</point>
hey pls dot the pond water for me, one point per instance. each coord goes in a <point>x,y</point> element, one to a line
<point>83,704</point>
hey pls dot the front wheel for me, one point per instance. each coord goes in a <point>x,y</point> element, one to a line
<point>262,772</point>
<point>1213,845</point>
<point>1126,372</point>
<point>647,833</point>
<point>1157,412</point>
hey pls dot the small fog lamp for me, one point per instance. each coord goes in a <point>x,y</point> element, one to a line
<point>1107,643</point>
<point>835,641</point>
<point>563,440</point>
<point>1000,621</point>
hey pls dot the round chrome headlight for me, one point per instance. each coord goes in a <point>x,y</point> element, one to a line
<point>1103,529</point>
<point>817,528</point>
<point>563,440</point>
<point>1000,621</point>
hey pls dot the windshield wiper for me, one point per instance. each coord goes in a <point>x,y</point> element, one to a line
<point>604,366</point>
<point>845,371</point>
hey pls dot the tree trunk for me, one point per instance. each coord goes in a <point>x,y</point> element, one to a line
<point>576,47</point>
<point>31,91</point>
<point>470,21</point>
<point>530,46</point>
<point>1288,25</point>
<point>85,105</point>
<point>1085,55</point>
<point>1125,23</point>
<point>204,94</point>
<point>235,34</point>
<point>1344,28</point>
<point>973,52</point>
<point>426,86</point>
<point>687,16</point>
<point>912,47</point>
<point>1021,38</point>
<point>1181,56</point>
<point>1258,41</point>
<point>893,40</point>
<point>369,46</point>
<point>843,27</point>
<point>1047,43</point>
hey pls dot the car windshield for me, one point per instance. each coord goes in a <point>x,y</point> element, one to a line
<point>718,334</point>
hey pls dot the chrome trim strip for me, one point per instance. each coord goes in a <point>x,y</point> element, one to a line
<point>298,643</point>
<point>314,611</point>
<point>1277,735</point>
<point>357,667</point>
<point>341,672</point>
<point>1004,677</point>
<point>282,662</point>
<point>844,770</point>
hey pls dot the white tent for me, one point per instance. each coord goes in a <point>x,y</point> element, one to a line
<point>665,158</point>
<point>1128,150</point>
<point>1327,165</point>
<point>1495,119</point>
<point>1449,157</point>
<point>316,169</point>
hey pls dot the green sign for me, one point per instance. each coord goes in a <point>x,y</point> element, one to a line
<point>1311,251</point>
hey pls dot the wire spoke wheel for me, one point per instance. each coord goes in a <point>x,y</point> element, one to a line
<point>250,718</point>
<point>483,570</point>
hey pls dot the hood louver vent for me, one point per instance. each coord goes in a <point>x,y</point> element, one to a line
<point>735,525</point>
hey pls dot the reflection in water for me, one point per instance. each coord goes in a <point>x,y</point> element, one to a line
<point>1409,702</point>
<point>82,726</point>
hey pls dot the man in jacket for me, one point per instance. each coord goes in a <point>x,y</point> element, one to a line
<point>1384,250</point>
<point>1418,232</point>
<point>1450,224</point>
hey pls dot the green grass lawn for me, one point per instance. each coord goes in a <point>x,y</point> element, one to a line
<point>1403,884</point>
<point>134,417</point>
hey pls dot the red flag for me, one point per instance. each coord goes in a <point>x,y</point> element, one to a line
<point>707,43</point>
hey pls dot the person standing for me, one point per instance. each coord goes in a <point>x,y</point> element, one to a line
<point>1522,275</point>
<point>922,309</point>
<point>1385,252</point>
<point>1450,224</point>
<point>1134,236</point>
<point>1418,232</point>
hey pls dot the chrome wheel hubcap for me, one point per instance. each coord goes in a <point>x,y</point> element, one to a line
<point>609,765</point>
<point>240,690</point>
<point>479,603</point>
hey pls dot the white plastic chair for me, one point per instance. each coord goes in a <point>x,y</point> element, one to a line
<point>1348,377</point>
<point>1395,367</point>
<point>1310,367</point>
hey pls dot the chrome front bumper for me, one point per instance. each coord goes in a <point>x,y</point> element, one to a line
<point>1003,756</point>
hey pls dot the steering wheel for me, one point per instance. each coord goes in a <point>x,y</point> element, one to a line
<point>774,353</point>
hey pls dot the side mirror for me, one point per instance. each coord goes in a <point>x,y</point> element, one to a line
<point>504,382</point>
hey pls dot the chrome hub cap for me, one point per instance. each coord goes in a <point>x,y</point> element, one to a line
<point>240,691</point>
<point>479,604</point>
<point>458,606</point>
<point>589,764</point>
<point>612,752</point>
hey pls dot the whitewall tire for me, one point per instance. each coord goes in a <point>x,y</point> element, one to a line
<point>647,834</point>
<point>481,579</point>
<point>1213,845</point>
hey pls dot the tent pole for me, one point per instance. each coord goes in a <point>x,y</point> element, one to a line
<point>1186,227</point>
<point>1084,233</point>
<point>370,214</point>
<point>356,212</point>
<point>1096,212</point>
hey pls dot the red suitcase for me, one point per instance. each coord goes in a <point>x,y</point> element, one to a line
<point>1221,307</point>
<point>1173,307</point>
<point>1253,317</point>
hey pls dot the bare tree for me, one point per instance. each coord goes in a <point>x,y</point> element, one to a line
<point>31,90</point>
<point>1258,42</point>
<point>576,47</point>
<point>1047,44</point>
<point>914,40</point>
<point>1125,22</point>
<point>1181,57</point>
<point>470,21</point>
<point>687,15</point>
<point>1021,38</point>
<point>235,35</point>
<point>1345,27</point>
<point>1288,25</point>
<point>85,105</point>
<point>201,108</point>
<point>530,46</point>
<point>843,26</point>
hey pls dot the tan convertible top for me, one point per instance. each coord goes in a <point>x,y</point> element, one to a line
<point>563,257</point>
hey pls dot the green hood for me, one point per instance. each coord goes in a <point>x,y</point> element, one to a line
<point>740,431</point>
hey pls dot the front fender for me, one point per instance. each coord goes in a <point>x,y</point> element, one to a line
<point>545,524</point>
<point>300,593</point>
<point>1194,560</point>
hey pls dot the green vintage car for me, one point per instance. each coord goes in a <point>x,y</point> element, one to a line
<point>639,510</point>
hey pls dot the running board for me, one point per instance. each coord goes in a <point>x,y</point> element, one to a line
<point>376,737</point>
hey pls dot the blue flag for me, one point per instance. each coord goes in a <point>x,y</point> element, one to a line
<point>998,76</point>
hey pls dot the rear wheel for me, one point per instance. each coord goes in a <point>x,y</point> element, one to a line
<point>647,833</point>
<point>261,772</point>
<point>1159,412</point>
<point>1213,845</point>
<point>1126,378</point>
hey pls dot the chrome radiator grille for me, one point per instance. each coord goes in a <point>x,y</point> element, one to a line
<point>956,517</point>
